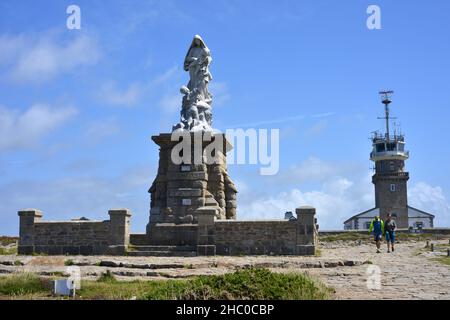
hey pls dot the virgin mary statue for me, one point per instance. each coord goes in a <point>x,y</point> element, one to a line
<point>196,109</point>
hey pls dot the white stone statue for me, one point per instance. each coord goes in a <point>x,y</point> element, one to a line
<point>196,112</point>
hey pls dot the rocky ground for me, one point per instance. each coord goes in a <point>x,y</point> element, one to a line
<point>409,273</point>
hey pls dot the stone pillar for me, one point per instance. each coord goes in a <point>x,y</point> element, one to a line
<point>119,238</point>
<point>28,217</point>
<point>206,240</point>
<point>306,231</point>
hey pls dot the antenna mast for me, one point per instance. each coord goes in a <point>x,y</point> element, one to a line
<point>386,100</point>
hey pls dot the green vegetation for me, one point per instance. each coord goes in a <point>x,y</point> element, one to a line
<point>355,236</point>
<point>22,284</point>
<point>107,277</point>
<point>8,251</point>
<point>69,262</point>
<point>244,284</point>
<point>443,260</point>
<point>347,236</point>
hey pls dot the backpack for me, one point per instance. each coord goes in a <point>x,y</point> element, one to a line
<point>377,227</point>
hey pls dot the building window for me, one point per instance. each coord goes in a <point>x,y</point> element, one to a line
<point>367,225</point>
<point>392,166</point>
<point>419,225</point>
<point>393,187</point>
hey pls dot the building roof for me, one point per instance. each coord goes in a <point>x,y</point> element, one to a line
<point>359,214</point>
<point>409,207</point>
<point>421,211</point>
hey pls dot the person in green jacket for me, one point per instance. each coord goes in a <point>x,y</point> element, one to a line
<point>377,226</point>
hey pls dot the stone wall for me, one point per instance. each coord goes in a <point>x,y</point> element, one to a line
<point>257,237</point>
<point>74,237</point>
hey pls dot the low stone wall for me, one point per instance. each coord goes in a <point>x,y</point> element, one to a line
<point>257,237</point>
<point>170,234</point>
<point>74,237</point>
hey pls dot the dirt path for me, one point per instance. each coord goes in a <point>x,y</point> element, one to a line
<point>407,273</point>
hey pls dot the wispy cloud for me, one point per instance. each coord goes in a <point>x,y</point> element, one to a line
<point>116,94</point>
<point>39,58</point>
<point>110,94</point>
<point>22,130</point>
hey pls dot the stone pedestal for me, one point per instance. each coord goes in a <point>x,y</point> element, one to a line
<point>28,217</point>
<point>179,189</point>
<point>119,238</point>
<point>306,231</point>
<point>206,245</point>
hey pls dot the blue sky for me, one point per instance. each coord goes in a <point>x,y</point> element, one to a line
<point>78,107</point>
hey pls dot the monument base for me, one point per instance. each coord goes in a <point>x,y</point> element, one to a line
<point>179,190</point>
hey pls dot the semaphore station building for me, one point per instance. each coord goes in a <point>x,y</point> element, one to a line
<point>390,181</point>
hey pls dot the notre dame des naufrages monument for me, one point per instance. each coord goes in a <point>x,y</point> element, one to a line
<point>192,173</point>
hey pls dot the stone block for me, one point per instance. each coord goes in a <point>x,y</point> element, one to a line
<point>26,250</point>
<point>206,215</point>
<point>305,215</point>
<point>305,250</point>
<point>206,250</point>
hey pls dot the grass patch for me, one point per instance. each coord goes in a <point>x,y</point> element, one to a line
<point>318,252</point>
<point>8,251</point>
<point>69,263</point>
<point>22,284</point>
<point>443,260</point>
<point>347,236</point>
<point>244,284</point>
<point>107,277</point>
<point>355,236</point>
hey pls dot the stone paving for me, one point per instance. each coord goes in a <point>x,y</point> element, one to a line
<point>408,273</point>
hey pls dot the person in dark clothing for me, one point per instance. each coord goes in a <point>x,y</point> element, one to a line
<point>389,230</point>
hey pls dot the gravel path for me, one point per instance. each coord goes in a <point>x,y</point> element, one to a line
<point>408,273</point>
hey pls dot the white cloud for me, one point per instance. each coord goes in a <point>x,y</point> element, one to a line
<point>314,169</point>
<point>431,199</point>
<point>21,130</point>
<point>110,94</point>
<point>339,191</point>
<point>114,94</point>
<point>89,196</point>
<point>28,58</point>
<point>337,200</point>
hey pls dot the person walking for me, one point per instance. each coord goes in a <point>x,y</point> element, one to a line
<point>377,227</point>
<point>389,228</point>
